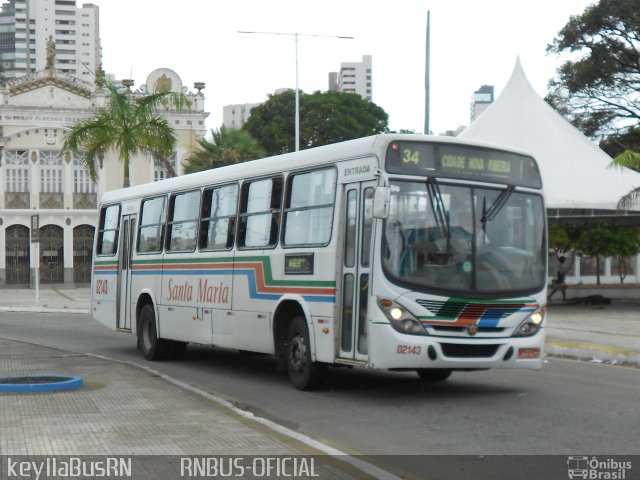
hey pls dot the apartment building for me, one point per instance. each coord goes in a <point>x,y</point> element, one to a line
<point>27,28</point>
<point>354,77</point>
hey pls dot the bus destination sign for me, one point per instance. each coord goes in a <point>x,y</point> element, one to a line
<point>462,162</point>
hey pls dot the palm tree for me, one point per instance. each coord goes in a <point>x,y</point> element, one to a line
<point>129,124</point>
<point>229,146</point>
<point>629,159</point>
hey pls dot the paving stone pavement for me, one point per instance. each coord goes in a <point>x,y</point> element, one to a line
<point>125,410</point>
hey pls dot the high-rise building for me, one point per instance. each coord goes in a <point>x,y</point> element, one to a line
<point>354,77</point>
<point>235,116</point>
<point>480,101</point>
<point>55,34</point>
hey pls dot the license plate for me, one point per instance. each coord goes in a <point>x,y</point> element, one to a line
<point>528,353</point>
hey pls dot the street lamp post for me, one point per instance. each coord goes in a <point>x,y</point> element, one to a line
<point>296,35</point>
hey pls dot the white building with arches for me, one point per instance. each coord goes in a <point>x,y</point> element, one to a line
<point>38,178</point>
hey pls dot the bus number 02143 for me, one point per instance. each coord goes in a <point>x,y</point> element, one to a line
<point>409,349</point>
<point>102,287</point>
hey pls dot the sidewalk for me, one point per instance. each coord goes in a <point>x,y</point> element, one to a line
<point>601,334</point>
<point>129,410</point>
<point>126,411</point>
<point>68,300</point>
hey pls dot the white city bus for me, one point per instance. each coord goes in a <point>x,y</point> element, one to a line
<point>399,252</point>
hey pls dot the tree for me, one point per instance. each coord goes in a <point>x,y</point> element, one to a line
<point>608,241</point>
<point>628,159</point>
<point>597,89</point>
<point>619,142</point>
<point>128,124</point>
<point>325,117</point>
<point>229,146</point>
<point>625,245</point>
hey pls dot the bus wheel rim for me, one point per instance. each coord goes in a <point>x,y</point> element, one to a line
<point>298,353</point>
<point>146,336</point>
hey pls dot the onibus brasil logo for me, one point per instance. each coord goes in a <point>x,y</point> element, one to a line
<point>596,468</point>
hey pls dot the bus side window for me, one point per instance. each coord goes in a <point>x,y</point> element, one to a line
<point>309,207</point>
<point>108,230</point>
<point>260,213</point>
<point>151,226</point>
<point>219,206</point>
<point>183,221</point>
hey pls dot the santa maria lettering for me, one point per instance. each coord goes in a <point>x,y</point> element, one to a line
<point>204,292</point>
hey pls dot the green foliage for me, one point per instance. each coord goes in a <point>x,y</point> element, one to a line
<point>596,89</point>
<point>608,241</point>
<point>617,143</point>
<point>559,238</point>
<point>600,240</point>
<point>229,146</point>
<point>128,124</point>
<point>628,159</point>
<point>325,117</point>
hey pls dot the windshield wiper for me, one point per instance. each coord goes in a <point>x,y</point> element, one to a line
<point>496,206</point>
<point>437,207</point>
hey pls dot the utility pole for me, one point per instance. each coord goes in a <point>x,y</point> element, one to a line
<point>35,239</point>
<point>426,75</point>
<point>297,91</point>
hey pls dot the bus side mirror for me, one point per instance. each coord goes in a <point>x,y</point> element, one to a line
<point>381,200</point>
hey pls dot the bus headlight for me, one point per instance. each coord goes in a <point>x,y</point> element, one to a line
<point>400,319</point>
<point>531,324</point>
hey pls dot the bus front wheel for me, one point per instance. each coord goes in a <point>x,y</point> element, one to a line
<point>303,373</point>
<point>153,348</point>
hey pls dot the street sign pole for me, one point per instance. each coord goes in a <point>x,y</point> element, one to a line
<point>35,239</point>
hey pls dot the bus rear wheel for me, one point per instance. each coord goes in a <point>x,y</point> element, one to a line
<point>433,374</point>
<point>153,348</point>
<point>303,373</point>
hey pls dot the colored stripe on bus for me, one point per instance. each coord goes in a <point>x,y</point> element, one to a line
<point>471,312</point>
<point>257,271</point>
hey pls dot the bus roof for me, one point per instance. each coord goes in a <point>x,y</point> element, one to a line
<point>290,161</point>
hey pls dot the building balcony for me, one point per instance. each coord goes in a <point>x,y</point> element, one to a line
<point>17,200</point>
<point>52,200</point>
<point>87,201</point>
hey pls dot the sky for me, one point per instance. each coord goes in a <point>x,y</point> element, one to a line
<point>473,43</point>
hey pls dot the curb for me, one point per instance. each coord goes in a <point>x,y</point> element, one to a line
<point>37,384</point>
<point>44,310</point>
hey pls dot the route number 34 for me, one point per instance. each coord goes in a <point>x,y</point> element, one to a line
<point>409,156</point>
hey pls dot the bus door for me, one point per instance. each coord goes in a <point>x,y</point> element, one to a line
<point>123,299</point>
<point>358,211</point>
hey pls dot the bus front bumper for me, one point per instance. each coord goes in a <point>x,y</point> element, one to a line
<point>393,350</point>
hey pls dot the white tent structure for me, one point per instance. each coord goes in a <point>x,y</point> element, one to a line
<point>574,171</point>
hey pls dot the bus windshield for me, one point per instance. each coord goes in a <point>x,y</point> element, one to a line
<point>464,239</point>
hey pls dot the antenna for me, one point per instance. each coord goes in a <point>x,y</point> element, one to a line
<point>426,74</point>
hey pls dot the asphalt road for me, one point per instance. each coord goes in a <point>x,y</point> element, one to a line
<point>567,408</point>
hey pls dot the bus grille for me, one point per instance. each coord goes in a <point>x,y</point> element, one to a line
<point>454,350</point>
<point>454,329</point>
<point>455,309</point>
